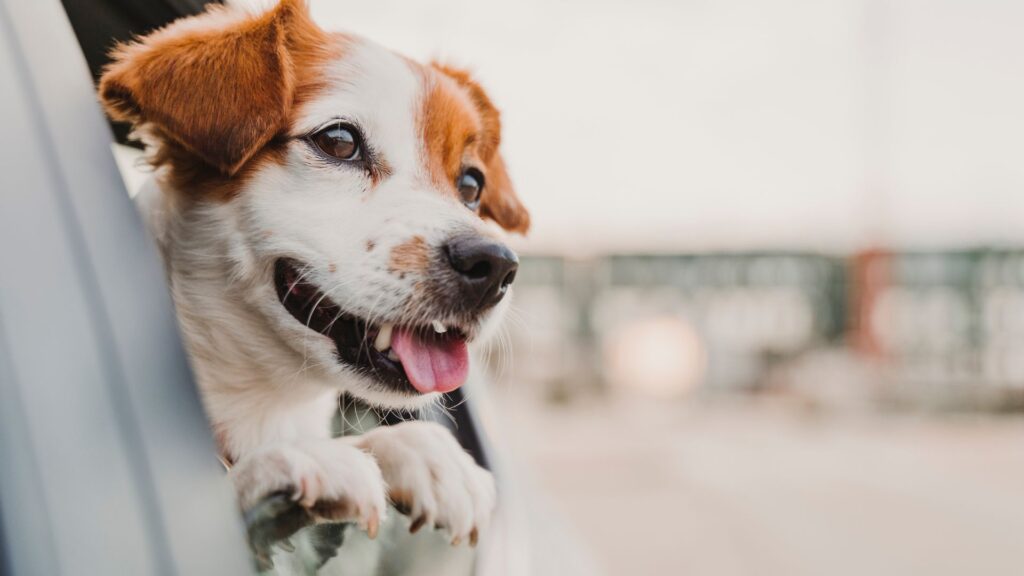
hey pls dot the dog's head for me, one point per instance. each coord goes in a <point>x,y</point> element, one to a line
<point>359,190</point>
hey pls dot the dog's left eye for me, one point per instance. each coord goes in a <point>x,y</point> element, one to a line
<point>470,185</point>
<point>340,141</point>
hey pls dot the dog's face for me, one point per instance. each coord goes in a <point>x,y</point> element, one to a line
<point>359,191</point>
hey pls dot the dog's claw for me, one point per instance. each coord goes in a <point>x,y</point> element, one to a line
<point>372,526</point>
<point>474,537</point>
<point>286,545</point>
<point>417,524</point>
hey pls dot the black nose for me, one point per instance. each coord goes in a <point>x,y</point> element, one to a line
<point>485,269</point>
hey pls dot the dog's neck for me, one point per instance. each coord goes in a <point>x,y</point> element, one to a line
<point>254,390</point>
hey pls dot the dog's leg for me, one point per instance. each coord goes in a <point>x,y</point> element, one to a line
<point>431,477</point>
<point>285,486</point>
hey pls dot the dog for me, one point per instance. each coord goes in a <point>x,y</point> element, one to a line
<point>331,217</point>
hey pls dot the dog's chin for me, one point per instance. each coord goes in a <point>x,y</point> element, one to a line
<point>398,364</point>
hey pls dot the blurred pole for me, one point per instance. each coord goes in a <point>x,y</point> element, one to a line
<point>870,274</point>
<point>869,268</point>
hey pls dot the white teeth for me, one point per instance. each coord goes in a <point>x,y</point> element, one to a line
<point>438,327</point>
<point>392,356</point>
<point>383,341</point>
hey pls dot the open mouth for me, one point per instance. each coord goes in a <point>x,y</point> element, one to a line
<point>431,357</point>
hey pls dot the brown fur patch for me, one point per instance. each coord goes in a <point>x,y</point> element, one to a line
<point>199,180</point>
<point>412,256</point>
<point>462,127</point>
<point>451,129</point>
<point>218,91</point>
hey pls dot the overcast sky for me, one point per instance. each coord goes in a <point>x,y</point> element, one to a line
<point>741,124</point>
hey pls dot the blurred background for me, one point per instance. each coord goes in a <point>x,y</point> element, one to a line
<point>770,318</point>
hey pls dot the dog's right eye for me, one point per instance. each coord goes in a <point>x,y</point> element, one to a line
<point>340,141</point>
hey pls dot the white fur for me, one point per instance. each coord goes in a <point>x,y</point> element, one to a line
<point>342,479</point>
<point>446,487</point>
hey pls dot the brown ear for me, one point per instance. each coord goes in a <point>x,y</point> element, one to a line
<point>219,84</point>
<point>499,201</point>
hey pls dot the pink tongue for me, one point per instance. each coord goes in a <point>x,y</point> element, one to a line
<point>432,365</point>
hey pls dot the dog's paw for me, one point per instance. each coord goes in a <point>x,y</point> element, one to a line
<point>430,477</point>
<point>330,479</point>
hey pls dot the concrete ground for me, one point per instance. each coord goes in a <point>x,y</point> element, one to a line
<point>740,488</point>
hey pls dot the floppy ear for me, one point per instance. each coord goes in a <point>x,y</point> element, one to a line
<point>498,201</point>
<point>219,84</point>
